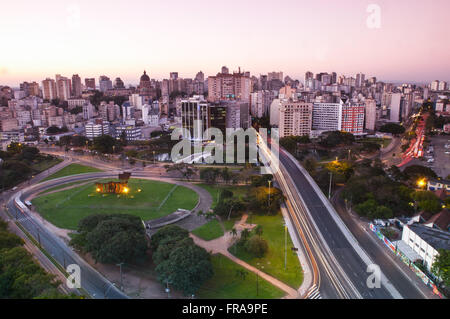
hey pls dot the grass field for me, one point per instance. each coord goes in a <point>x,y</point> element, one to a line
<point>214,190</point>
<point>72,169</point>
<point>60,187</point>
<point>273,261</point>
<point>384,142</point>
<point>46,164</point>
<point>156,199</point>
<point>225,284</point>
<point>210,230</point>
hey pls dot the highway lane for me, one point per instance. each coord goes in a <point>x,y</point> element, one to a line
<point>342,250</point>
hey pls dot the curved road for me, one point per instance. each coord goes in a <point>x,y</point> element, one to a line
<point>91,280</point>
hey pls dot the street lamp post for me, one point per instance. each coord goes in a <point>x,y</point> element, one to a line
<point>329,188</point>
<point>285,246</point>
<point>121,277</point>
<point>270,182</point>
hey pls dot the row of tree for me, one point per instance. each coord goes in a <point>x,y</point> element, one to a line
<point>20,276</point>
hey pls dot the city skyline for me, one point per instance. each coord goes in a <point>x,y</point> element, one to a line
<point>299,36</point>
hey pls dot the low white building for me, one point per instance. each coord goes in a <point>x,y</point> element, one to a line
<point>425,241</point>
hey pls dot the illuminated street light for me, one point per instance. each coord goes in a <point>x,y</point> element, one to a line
<point>126,190</point>
<point>421,182</point>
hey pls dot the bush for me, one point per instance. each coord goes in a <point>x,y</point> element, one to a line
<point>256,246</point>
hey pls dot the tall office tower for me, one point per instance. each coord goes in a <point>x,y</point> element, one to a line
<point>63,87</point>
<point>173,75</point>
<point>371,114</point>
<point>326,79</point>
<point>434,85</point>
<point>308,76</point>
<point>226,86</point>
<point>360,78</point>
<point>353,117</point>
<point>192,110</point>
<point>225,70</point>
<point>275,76</point>
<point>89,83</point>
<point>104,83</point>
<point>295,118</point>
<point>200,77</point>
<point>327,116</point>
<point>372,80</point>
<point>118,84</point>
<point>76,85</point>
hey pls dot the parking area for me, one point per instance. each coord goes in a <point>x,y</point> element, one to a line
<point>441,164</point>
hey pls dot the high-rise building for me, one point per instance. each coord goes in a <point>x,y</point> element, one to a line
<point>89,83</point>
<point>327,116</point>
<point>104,83</point>
<point>118,84</point>
<point>238,114</point>
<point>76,85</point>
<point>226,86</point>
<point>88,111</point>
<point>63,87</point>
<point>371,114</point>
<point>353,117</point>
<point>260,102</point>
<point>360,78</point>
<point>49,89</point>
<point>275,76</point>
<point>200,77</point>
<point>173,75</point>
<point>96,128</point>
<point>295,118</point>
<point>195,115</point>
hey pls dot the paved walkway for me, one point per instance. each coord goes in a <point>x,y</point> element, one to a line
<point>221,245</point>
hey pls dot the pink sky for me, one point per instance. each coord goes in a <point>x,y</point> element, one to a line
<point>42,38</point>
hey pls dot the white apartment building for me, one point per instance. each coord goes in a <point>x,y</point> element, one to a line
<point>295,118</point>
<point>327,116</point>
<point>426,241</point>
<point>96,129</point>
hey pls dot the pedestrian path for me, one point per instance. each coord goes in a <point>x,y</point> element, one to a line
<point>221,245</point>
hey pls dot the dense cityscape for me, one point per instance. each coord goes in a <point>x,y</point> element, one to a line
<point>234,184</point>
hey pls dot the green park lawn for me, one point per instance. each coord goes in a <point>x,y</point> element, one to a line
<point>156,199</point>
<point>210,230</point>
<point>48,190</point>
<point>214,190</point>
<point>273,261</point>
<point>226,284</point>
<point>72,169</point>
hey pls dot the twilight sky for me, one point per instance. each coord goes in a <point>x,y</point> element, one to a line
<point>122,38</point>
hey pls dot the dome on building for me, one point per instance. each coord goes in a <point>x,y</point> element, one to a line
<point>145,77</point>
